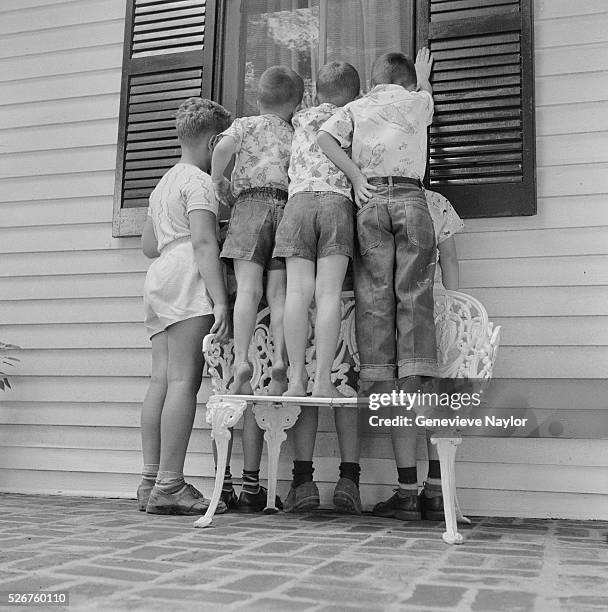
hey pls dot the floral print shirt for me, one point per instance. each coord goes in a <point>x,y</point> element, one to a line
<point>309,168</point>
<point>262,154</point>
<point>387,131</point>
<point>446,222</point>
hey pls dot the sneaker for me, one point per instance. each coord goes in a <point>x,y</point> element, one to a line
<point>431,507</point>
<point>255,502</point>
<point>402,508</point>
<point>187,501</point>
<point>230,499</point>
<point>143,495</point>
<point>347,498</point>
<point>302,498</point>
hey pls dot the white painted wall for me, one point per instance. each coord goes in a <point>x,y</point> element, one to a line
<point>70,294</point>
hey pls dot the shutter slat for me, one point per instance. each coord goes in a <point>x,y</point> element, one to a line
<point>480,152</point>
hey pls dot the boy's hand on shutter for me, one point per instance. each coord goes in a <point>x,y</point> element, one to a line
<point>424,64</point>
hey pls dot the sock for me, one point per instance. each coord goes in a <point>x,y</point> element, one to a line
<point>350,471</point>
<point>408,481</point>
<point>434,469</point>
<point>149,473</point>
<point>302,472</point>
<point>251,481</point>
<point>227,486</point>
<point>432,487</point>
<point>170,482</point>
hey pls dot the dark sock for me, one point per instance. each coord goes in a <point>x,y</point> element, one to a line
<point>227,486</point>
<point>350,471</point>
<point>434,469</point>
<point>408,481</point>
<point>251,481</point>
<point>302,472</point>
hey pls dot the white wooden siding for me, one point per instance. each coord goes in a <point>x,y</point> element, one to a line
<point>70,294</point>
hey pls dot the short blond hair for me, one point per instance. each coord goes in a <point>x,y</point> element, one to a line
<point>198,116</point>
<point>280,85</point>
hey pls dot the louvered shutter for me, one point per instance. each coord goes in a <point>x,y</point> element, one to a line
<point>168,57</point>
<point>481,143</point>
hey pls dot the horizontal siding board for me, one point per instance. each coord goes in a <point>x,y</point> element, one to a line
<point>534,272</point>
<point>65,262</point>
<point>77,335</point>
<point>572,180</point>
<point>553,331</point>
<point>19,5</point>
<point>53,140</point>
<point>90,159</point>
<point>553,212</point>
<point>533,243</point>
<point>86,237</point>
<point>571,118</point>
<point>61,15</point>
<point>564,149</point>
<point>571,60</point>
<point>57,212</point>
<point>555,9</point>
<point>62,113</point>
<point>56,186</point>
<point>579,87</point>
<point>378,471</point>
<point>507,451</point>
<point>98,82</point>
<point>61,62</point>
<point>575,30</point>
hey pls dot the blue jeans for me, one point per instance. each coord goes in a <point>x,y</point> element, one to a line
<point>394,269</point>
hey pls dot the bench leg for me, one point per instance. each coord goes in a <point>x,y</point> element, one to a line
<point>221,415</point>
<point>274,420</point>
<point>446,449</point>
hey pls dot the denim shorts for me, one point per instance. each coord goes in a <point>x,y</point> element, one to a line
<point>253,224</point>
<point>394,268</point>
<point>316,224</point>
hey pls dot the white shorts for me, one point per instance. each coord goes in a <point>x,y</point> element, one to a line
<point>174,289</point>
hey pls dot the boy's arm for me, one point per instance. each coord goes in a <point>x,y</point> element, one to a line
<point>207,257</point>
<point>335,153</point>
<point>222,154</point>
<point>149,244</point>
<point>424,65</point>
<point>448,260</point>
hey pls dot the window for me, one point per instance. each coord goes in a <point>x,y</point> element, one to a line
<point>481,143</point>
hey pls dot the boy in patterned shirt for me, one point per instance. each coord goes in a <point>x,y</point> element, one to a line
<point>395,263</point>
<point>261,146</point>
<point>316,238</point>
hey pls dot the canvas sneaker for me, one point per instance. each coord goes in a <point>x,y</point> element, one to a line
<point>143,495</point>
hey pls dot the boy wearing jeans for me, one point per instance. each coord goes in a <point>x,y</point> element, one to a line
<point>395,264</point>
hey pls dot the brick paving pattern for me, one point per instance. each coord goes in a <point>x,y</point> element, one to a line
<point>109,556</point>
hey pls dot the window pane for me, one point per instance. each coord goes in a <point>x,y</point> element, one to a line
<point>304,34</point>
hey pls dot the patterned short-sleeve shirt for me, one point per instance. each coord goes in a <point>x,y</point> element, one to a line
<point>309,168</point>
<point>387,131</point>
<point>262,154</point>
<point>182,189</point>
<point>446,221</point>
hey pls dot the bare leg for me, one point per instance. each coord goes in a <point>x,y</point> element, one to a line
<point>328,296</point>
<point>347,427</point>
<point>275,295</point>
<point>300,290</point>
<point>248,294</point>
<point>404,438</point>
<point>253,441</point>
<point>184,373</point>
<point>153,402</point>
<point>305,433</point>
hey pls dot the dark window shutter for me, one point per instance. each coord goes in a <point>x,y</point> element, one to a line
<point>482,143</point>
<point>168,55</point>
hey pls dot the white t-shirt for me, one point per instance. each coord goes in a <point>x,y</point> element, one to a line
<point>182,189</point>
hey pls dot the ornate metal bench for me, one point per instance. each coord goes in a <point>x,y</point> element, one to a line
<point>467,345</point>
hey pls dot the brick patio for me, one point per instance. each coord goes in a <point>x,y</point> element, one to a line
<point>109,556</point>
